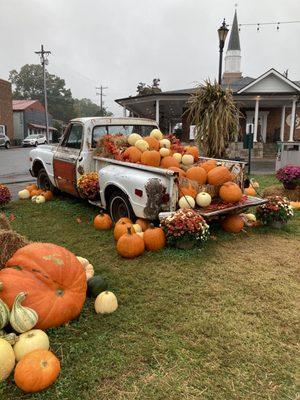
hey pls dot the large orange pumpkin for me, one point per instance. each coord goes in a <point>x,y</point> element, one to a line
<point>218,176</point>
<point>197,174</point>
<point>154,238</point>
<point>36,371</point>
<point>48,195</point>
<point>121,229</point>
<point>153,143</point>
<point>169,161</point>
<point>53,279</point>
<point>102,221</point>
<point>209,165</point>
<point>132,154</point>
<point>143,223</point>
<point>233,223</point>
<point>230,192</point>
<point>193,150</point>
<point>151,158</point>
<point>187,189</point>
<point>130,245</point>
<point>124,219</point>
<point>180,171</point>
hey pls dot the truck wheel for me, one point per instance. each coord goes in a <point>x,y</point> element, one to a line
<point>119,206</point>
<point>44,182</point>
<point>7,145</point>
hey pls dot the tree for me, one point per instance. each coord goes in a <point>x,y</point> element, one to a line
<point>86,108</point>
<point>142,89</point>
<point>213,111</point>
<point>28,84</point>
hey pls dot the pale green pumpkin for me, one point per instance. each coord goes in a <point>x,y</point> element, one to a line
<point>22,319</point>
<point>4,311</point>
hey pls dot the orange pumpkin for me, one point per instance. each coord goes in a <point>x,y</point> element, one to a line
<point>102,221</point>
<point>48,195</point>
<point>151,158</point>
<point>35,192</point>
<point>193,150</point>
<point>250,191</point>
<point>130,245</point>
<point>230,192</point>
<point>233,223</point>
<point>124,219</point>
<point>32,187</point>
<point>219,175</point>
<point>181,172</point>
<point>187,189</point>
<point>143,223</point>
<point>168,162</point>
<point>132,154</point>
<point>36,371</point>
<point>197,174</point>
<point>209,165</point>
<point>53,279</point>
<point>121,229</point>
<point>295,204</point>
<point>153,143</point>
<point>154,238</point>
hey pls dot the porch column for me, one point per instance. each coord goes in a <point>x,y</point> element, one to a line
<point>124,111</point>
<point>282,124</point>
<point>256,120</point>
<point>293,117</point>
<point>157,111</point>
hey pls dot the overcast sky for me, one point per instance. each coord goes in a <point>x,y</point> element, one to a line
<point>118,43</point>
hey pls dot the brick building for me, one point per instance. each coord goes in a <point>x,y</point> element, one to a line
<point>29,118</point>
<point>6,112</point>
<point>270,102</point>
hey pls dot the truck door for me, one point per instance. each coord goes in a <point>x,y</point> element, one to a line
<point>66,157</point>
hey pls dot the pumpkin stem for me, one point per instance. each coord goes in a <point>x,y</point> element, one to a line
<point>129,230</point>
<point>1,286</point>
<point>60,292</point>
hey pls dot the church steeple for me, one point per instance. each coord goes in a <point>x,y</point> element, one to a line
<point>233,54</point>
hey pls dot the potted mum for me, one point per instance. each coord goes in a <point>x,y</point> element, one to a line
<point>88,186</point>
<point>289,176</point>
<point>185,229</point>
<point>275,213</point>
<point>5,195</point>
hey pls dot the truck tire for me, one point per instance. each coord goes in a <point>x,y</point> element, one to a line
<point>7,145</point>
<point>119,206</point>
<point>44,182</point>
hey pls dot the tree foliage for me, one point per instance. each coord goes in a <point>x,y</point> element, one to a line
<point>86,108</point>
<point>143,89</point>
<point>213,112</point>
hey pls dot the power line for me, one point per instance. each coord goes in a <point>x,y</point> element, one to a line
<point>44,61</point>
<point>101,95</point>
<point>260,24</point>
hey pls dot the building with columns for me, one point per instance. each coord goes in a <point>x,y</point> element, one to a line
<point>271,102</point>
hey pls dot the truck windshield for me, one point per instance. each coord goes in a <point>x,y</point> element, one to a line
<point>99,131</point>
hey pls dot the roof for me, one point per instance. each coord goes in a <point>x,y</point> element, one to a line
<point>115,120</point>
<point>234,40</point>
<point>19,105</point>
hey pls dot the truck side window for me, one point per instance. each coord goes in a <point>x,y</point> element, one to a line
<point>98,132</point>
<point>74,138</point>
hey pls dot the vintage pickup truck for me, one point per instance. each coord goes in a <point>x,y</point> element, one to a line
<point>126,189</point>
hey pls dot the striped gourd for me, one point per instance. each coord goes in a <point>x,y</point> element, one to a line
<point>22,319</point>
<point>4,311</point>
<point>11,338</point>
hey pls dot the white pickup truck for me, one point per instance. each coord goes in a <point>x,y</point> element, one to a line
<point>126,189</point>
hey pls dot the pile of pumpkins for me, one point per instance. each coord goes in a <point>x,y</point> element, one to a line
<point>132,239</point>
<point>36,195</point>
<point>53,284</point>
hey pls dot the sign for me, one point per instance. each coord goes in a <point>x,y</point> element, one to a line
<point>288,121</point>
<point>192,132</point>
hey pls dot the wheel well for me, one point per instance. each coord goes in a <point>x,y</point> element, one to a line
<point>36,167</point>
<point>109,190</point>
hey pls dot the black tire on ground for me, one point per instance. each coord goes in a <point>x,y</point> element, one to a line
<point>7,145</point>
<point>36,144</point>
<point>44,182</point>
<point>119,206</point>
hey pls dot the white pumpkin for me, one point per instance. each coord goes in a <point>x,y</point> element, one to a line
<point>33,199</point>
<point>164,152</point>
<point>40,199</point>
<point>186,202</point>
<point>203,199</point>
<point>133,138</point>
<point>156,133</point>
<point>141,234</point>
<point>165,143</point>
<point>142,145</point>
<point>24,194</point>
<point>137,228</point>
<point>106,303</point>
<point>29,341</point>
<point>178,157</point>
<point>187,159</point>
<point>7,359</point>
<point>251,217</point>
<point>87,266</point>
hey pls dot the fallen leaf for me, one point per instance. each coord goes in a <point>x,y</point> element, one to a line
<point>12,217</point>
<point>78,220</point>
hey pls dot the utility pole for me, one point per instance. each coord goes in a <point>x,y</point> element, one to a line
<point>44,61</point>
<point>101,95</point>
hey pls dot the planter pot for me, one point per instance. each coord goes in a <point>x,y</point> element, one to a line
<point>277,224</point>
<point>290,185</point>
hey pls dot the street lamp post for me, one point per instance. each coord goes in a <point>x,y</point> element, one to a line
<point>222,32</point>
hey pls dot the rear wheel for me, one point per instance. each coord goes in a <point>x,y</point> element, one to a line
<point>7,145</point>
<point>43,181</point>
<point>119,206</point>
<point>36,143</point>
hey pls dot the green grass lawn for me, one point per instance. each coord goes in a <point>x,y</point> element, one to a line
<point>213,323</point>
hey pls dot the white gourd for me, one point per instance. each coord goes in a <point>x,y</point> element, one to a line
<point>156,133</point>
<point>137,228</point>
<point>133,138</point>
<point>142,145</point>
<point>40,199</point>
<point>22,319</point>
<point>165,143</point>
<point>4,311</point>
<point>164,152</point>
<point>187,159</point>
<point>33,199</point>
<point>24,194</point>
<point>7,359</point>
<point>186,202</point>
<point>29,341</point>
<point>106,303</point>
<point>178,157</point>
<point>87,266</point>
<point>203,199</point>
<point>11,338</point>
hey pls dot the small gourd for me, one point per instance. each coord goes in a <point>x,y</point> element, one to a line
<point>137,228</point>
<point>33,199</point>
<point>187,159</point>
<point>178,157</point>
<point>4,311</point>
<point>133,138</point>
<point>22,319</point>
<point>106,303</point>
<point>7,359</point>
<point>40,199</point>
<point>186,202</point>
<point>156,133</point>
<point>142,145</point>
<point>24,194</point>
<point>165,143</point>
<point>164,152</point>
<point>11,338</point>
<point>87,266</point>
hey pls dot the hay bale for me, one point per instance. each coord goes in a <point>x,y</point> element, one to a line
<point>4,224</point>
<point>279,190</point>
<point>10,242</point>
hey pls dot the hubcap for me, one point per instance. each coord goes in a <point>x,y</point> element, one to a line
<point>119,209</point>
